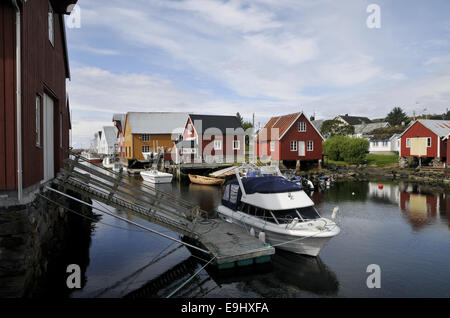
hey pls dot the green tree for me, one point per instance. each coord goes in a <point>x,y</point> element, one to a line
<point>239,117</point>
<point>396,117</point>
<point>332,128</point>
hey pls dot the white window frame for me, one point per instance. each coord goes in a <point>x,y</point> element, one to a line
<point>51,24</point>
<point>308,143</point>
<point>238,144</point>
<point>302,126</point>
<point>145,147</point>
<point>428,142</point>
<point>408,143</point>
<point>38,120</point>
<point>145,137</point>
<point>293,143</point>
<point>190,130</point>
<point>217,144</point>
<point>272,146</point>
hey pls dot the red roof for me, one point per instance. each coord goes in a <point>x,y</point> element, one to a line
<point>282,123</point>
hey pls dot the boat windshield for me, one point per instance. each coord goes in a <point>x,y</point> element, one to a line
<point>281,216</point>
<point>303,214</point>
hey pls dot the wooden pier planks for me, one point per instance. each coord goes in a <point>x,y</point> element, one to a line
<point>230,243</point>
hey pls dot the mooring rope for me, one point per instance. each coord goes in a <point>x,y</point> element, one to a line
<point>128,221</point>
<point>190,278</point>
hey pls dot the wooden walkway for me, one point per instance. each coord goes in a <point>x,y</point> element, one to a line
<point>228,243</point>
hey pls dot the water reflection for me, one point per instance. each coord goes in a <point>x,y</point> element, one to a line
<point>419,204</point>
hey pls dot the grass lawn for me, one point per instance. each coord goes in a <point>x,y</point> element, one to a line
<point>382,160</point>
<point>373,160</point>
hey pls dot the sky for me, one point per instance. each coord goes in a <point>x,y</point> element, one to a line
<point>262,57</point>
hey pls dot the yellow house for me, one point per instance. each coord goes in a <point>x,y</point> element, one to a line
<point>145,132</point>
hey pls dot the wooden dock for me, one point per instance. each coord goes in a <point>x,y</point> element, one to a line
<point>229,244</point>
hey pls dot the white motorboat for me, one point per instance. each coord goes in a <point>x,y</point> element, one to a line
<point>155,176</point>
<point>277,211</point>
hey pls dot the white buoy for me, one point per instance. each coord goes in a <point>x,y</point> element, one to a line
<point>252,232</point>
<point>262,237</point>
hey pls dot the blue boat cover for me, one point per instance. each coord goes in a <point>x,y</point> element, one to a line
<point>266,184</point>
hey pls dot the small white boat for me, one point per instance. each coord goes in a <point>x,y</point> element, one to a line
<point>108,162</point>
<point>91,157</point>
<point>155,176</point>
<point>277,211</point>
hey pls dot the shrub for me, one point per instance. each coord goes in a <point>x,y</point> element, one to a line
<point>350,150</point>
<point>355,150</point>
<point>333,147</point>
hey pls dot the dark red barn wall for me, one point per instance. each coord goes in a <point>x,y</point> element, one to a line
<point>43,71</point>
<point>8,161</point>
<point>415,131</point>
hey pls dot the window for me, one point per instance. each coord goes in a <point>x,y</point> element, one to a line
<point>145,137</point>
<point>217,144</point>
<point>429,142</point>
<point>272,146</point>
<point>408,142</point>
<point>293,145</point>
<point>189,129</point>
<point>145,148</point>
<point>310,145</point>
<point>236,145</point>
<point>301,126</point>
<point>38,120</point>
<point>51,31</point>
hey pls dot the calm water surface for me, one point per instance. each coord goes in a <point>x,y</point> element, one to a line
<point>404,229</point>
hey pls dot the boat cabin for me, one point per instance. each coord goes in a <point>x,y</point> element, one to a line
<point>271,198</point>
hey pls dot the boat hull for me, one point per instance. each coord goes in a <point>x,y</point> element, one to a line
<point>160,177</point>
<point>205,180</point>
<point>308,244</point>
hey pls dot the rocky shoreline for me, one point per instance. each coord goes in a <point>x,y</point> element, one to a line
<point>439,178</point>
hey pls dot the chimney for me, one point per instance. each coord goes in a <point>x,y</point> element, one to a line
<point>312,118</point>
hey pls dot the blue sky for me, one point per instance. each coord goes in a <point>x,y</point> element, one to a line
<point>267,57</point>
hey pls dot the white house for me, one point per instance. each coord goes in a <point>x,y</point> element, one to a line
<point>109,142</point>
<point>385,146</point>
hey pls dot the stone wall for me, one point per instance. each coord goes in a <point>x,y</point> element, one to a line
<point>34,237</point>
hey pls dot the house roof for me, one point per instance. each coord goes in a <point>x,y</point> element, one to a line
<point>439,127</point>
<point>110,134</point>
<point>355,120</point>
<point>120,118</point>
<point>283,124</point>
<point>366,128</point>
<point>318,123</point>
<point>157,122</point>
<point>214,121</point>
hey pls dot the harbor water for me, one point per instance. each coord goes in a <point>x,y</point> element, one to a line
<point>402,228</point>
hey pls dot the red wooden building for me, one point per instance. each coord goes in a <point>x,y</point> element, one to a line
<point>34,114</point>
<point>426,139</point>
<point>212,138</point>
<point>290,137</point>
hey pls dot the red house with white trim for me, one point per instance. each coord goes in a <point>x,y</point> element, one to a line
<point>290,137</point>
<point>212,138</point>
<point>426,139</point>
